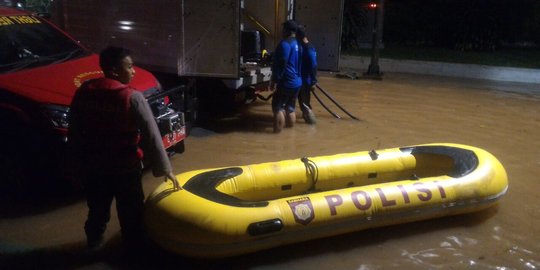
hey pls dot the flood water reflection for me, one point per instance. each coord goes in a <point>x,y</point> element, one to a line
<point>401,110</point>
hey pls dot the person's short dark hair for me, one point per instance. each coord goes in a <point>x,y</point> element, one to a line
<point>301,32</point>
<point>112,57</point>
<point>290,26</point>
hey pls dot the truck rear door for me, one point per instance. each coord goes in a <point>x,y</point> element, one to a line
<point>323,21</point>
<point>211,39</point>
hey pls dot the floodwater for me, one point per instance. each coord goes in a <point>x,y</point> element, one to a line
<point>398,111</point>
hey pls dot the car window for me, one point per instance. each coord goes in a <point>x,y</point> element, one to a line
<point>27,41</point>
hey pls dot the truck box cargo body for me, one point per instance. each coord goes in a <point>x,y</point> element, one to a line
<point>203,38</point>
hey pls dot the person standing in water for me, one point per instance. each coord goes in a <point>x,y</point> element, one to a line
<point>309,75</point>
<point>286,80</point>
<point>111,126</point>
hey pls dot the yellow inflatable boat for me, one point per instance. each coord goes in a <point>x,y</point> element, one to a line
<point>228,211</point>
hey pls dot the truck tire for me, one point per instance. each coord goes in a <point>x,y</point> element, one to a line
<point>179,148</point>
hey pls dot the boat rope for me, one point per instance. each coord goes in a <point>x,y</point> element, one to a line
<point>312,170</point>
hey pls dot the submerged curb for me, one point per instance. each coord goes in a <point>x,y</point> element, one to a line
<point>508,74</point>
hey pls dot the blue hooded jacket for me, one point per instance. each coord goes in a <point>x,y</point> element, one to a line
<point>309,64</point>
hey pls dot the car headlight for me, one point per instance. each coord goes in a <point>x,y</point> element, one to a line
<point>57,115</point>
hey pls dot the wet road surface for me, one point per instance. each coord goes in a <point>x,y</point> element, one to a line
<point>401,110</point>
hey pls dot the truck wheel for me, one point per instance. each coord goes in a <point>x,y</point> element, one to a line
<point>192,115</point>
<point>179,148</point>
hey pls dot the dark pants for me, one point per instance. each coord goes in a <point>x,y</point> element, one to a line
<point>284,99</point>
<point>127,189</point>
<point>304,98</point>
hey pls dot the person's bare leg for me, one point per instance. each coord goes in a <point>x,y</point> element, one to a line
<point>279,121</point>
<point>291,119</point>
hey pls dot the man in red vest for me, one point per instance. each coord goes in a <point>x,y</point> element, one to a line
<point>109,121</point>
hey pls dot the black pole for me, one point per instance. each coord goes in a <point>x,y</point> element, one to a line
<point>374,69</point>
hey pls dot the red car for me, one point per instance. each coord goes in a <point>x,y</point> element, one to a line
<point>40,69</point>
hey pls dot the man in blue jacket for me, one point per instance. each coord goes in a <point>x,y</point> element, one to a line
<point>286,80</point>
<point>309,75</point>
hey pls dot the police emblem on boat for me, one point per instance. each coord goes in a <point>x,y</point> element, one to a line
<point>302,210</point>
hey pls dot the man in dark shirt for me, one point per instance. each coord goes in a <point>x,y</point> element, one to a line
<point>309,75</point>
<point>108,122</point>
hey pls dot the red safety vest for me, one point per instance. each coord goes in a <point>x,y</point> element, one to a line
<point>110,137</point>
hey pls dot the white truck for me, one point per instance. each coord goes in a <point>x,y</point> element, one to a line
<point>198,41</point>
